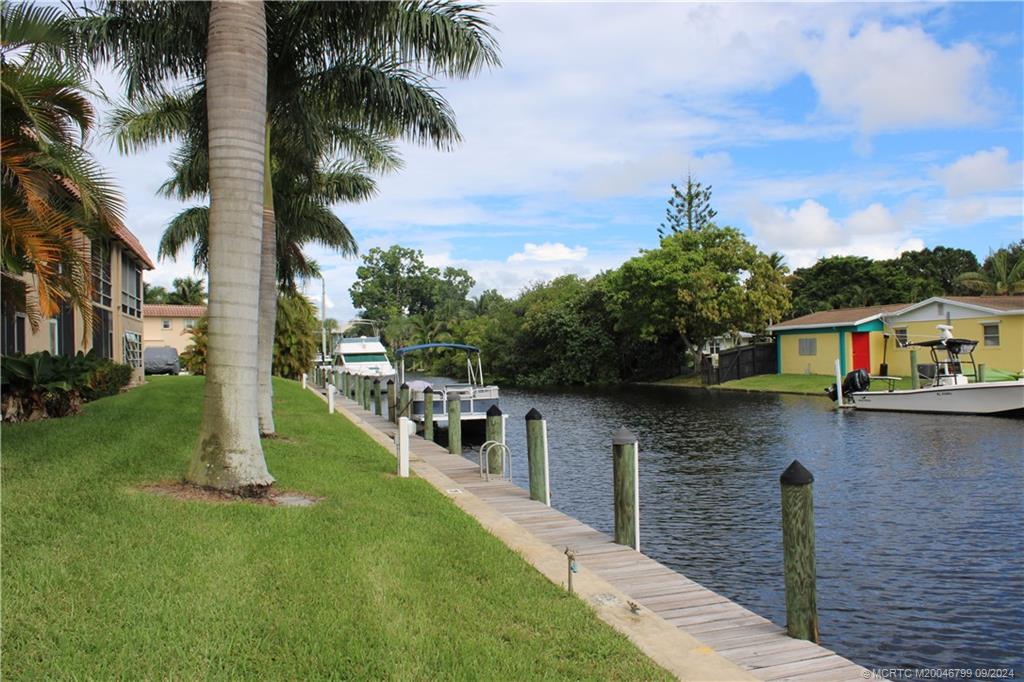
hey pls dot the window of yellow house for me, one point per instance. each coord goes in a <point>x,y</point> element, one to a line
<point>165,324</point>
<point>991,332</point>
<point>190,324</point>
<point>901,335</point>
<point>808,346</point>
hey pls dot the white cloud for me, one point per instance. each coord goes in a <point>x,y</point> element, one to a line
<point>894,78</point>
<point>984,171</point>
<point>808,226</point>
<point>548,251</point>
<point>875,219</point>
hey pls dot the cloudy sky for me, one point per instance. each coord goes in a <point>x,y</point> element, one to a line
<point>822,128</point>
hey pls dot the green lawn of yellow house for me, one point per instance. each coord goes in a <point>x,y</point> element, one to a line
<point>384,579</point>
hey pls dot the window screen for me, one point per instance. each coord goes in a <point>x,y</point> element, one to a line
<point>808,346</point>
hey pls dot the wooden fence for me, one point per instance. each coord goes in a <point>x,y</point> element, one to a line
<point>739,363</point>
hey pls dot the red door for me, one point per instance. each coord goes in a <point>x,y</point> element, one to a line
<point>862,350</point>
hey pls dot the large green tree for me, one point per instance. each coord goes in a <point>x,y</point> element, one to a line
<point>187,291</point>
<point>1001,275</point>
<point>699,284</point>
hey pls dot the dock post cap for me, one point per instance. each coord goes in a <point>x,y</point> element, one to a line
<point>622,436</point>
<point>796,474</point>
<point>428,389</point>
<point>533,414</point>
<point>493,411</point>
<point>404,386</point>
<point>376,381</point>
<point>391,381</point>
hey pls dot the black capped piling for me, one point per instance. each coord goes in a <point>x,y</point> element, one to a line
<point>428,413</point>
<point>376,397</point>
<point>404,402</point>
<point>798,552</point>
<point>626,482</point>
<point>537,456</point>
<point>495,431</point>
<point>365,400</point>
<point>391,401</point>
<point>915,380</point>
<point>454,424</point>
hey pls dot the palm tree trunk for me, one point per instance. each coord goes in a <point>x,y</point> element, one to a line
<point>229,455</point>
<point>268,297</point>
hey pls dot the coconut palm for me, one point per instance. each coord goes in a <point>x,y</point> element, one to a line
<point>51,187</point>
<point>1001,281</point>
<point>187,291</point>
<point>357,63</point>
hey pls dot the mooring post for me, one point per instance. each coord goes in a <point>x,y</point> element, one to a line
<point>981,372</point>
<point>366,394</point>
<point>495,431</point>
<point>798,552</point>
<point>305,379</point>
<point>454,424</point>
<point>402,439</point>
<point>404,408</point>
<point>428,413</point>
<point>915,381</point>
<point>391,401</point>
<point>626,475</point>
<point>537,456</point>
<point>376,397</point>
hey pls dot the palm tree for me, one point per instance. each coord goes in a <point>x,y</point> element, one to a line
<point>187,291</point>
<point>229,454</point>
<point>51,187</point>
<point>355,64</point>
<point>1001,281</point>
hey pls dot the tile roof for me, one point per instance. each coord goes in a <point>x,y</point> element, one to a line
<point>842,316</point>
<point>133,244</point>
<point>170,310</point>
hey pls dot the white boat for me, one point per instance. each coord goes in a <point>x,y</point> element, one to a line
<point>364,355</point>
<point>475,397</point>
<point>951,390</point>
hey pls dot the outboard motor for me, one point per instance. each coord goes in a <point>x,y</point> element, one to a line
<point>856,381</point>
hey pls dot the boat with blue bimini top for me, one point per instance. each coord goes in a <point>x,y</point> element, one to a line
<point>475,397</point>
<point>954,389</point>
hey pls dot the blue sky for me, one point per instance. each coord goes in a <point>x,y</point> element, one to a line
<point>822,128</point>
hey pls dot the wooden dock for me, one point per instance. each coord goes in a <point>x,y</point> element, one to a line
<point>746,639</point>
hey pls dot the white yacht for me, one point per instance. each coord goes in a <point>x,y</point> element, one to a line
<point>363,355</point>
<point>951,390</point>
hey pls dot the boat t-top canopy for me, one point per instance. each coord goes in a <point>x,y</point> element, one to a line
<point>423,346</point>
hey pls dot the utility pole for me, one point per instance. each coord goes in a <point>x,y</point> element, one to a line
<point>323,319</point>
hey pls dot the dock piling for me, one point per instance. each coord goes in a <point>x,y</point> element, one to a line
<point>915,380</point>
<point>365,398</point>
<point>495,431</point>
<point>305,380</point>
<point>392,417</point>
<point>537,456</point>
<point>455,424</point>
<point>376,397</point>
<point>626,475</point>
<point>798,552</point>
<point>428,413</point>
<point>404,403</point>
<point>330,398</point>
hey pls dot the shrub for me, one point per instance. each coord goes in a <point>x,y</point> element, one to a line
<point>41,385</point>
<point>296,335</point>
<point>193,358</point>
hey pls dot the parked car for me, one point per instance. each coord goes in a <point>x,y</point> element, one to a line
<point>161,360</point>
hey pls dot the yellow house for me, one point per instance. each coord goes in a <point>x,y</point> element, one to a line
<point>117,265</point>
<point>875,338</point>
<point>170,325</point>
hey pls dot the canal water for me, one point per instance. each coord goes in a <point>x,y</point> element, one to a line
<point>919,518</point>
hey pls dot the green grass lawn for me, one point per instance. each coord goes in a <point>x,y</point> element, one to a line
<point>782,383</point>
<point>386,578</point>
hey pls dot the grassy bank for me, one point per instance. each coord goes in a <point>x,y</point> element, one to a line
<point>383,579</point>
<point>808,384</point>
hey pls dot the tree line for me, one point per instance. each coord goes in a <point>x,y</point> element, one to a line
<point>649,318</point>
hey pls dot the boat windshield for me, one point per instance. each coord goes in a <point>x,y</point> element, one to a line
<point>364,357</point>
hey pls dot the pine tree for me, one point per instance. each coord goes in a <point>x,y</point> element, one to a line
<point>689,210</point>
